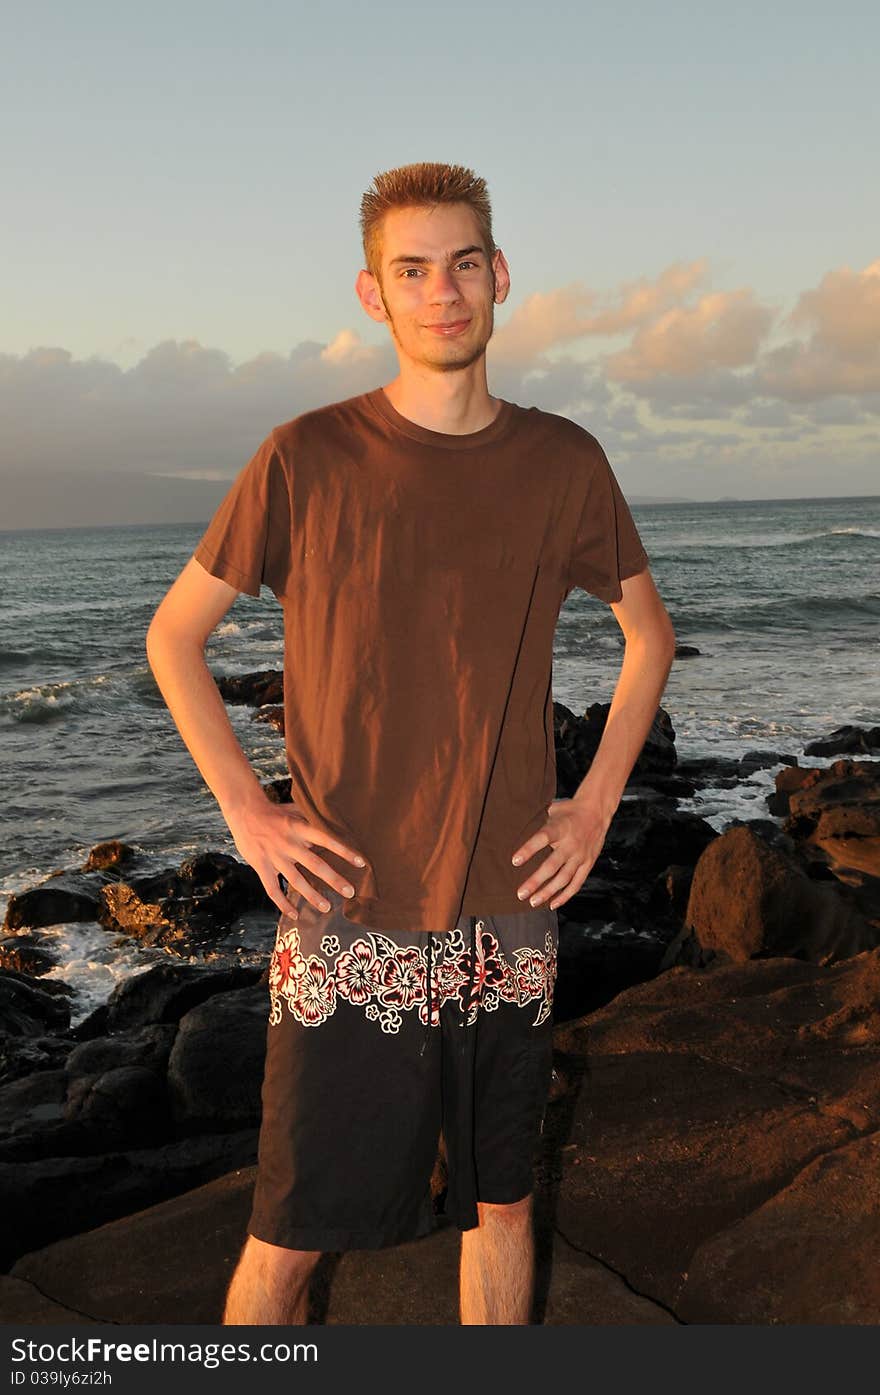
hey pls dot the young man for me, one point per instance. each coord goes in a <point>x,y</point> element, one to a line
<point>421,538</point>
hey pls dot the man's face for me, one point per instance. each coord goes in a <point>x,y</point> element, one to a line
<point>455,285</point>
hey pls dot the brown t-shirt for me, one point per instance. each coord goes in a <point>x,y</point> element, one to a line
<point>421,576</point>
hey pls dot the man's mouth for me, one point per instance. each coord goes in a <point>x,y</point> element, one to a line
<point>453,327</point>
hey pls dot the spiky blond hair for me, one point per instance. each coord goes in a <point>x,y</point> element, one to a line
<point>416,186</point>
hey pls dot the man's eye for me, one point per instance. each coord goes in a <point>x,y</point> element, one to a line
<point>408,269</point>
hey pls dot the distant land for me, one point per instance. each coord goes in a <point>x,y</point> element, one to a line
<point>663,499</point>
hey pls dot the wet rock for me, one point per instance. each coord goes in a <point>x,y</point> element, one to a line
<point>252,689</point>
<point>844,739</point>
<point>51,903</point>
<point>184,907</point>
<point>24,951</point>
<point>28,1008</point>
<point>112,853</point>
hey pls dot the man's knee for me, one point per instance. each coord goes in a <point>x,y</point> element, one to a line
<point>510,1213</point>
<point>277,1260</point>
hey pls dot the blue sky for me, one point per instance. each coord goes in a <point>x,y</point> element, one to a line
<point>190,175</point>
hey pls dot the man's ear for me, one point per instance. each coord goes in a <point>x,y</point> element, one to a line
<point>501,276</point>
<point>370,296</point>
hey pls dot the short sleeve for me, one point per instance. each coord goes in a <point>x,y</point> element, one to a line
<point>247,542</point>
<point>607,547</point>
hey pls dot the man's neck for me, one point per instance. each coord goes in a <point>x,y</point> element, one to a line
<point>456,414</point>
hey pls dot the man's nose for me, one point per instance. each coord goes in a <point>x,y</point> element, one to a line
<point>444,288</point>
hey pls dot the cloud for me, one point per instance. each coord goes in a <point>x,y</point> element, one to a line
<point>723,330</point>
<point>185,417</point>
<point>182,408</point>
<point>844,312</point>
<point>545,320</point>
<point>842,353</point>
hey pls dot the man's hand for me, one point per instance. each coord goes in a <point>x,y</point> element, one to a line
<point>273,838</point>
<point>576,830</point>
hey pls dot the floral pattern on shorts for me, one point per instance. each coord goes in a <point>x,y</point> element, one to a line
<point>387,979</point>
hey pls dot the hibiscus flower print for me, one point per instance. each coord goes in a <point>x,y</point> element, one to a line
<point>531,974</point>
<point>488,972</point>
<point>316,998</point>
<point>355,973</point>
<point>402,979</point>
<point>386,979</point>
<point>286,963</point>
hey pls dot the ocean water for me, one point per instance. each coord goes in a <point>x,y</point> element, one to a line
<point>782,599</point>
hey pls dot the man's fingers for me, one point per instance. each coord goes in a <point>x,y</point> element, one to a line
<point>550,888</point>
<point>273,890</point>
<point>547,868</point>
<point>307,858</point>
<point>329,840</point>
<point>315,898</point>
<point>534,844</point>
<point>580,876</point>
<point>295,879</point>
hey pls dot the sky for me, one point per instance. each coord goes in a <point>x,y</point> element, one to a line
<point>686,195</point>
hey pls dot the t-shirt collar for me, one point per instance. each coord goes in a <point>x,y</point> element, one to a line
<point>446,440</point>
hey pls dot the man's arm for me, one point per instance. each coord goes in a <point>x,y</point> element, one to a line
<point>190,611</point>
<point>272,838</point>
<point>648,657</point>
<point>576,827</point>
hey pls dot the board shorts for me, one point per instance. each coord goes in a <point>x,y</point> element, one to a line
<point>375,1045</point>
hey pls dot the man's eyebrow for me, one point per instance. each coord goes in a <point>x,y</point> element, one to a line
<point>453,256</point>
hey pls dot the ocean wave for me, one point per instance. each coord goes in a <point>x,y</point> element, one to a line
<point>804,613</point>
<point>46,702</point>
<point>685,546</point>
<point>20,658</point>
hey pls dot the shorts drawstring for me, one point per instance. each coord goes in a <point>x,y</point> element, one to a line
<point>429,1002</point>
<point>471,975</point>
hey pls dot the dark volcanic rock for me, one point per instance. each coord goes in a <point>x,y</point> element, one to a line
<point>837,811</point>
<point>20,1055</point>
<point>28,1009</point>
<point>577,740</point>
<point>163,993</point>
<point>45,1200</point>
<point>844,739</point>
<point>184,906</point>
<point>126,1106</point>
<point>51,903</point>
<point>24,951</point>
<point>252,689</point>
<point>216,1064</point>
<point>749,898</point>
<point>113,853</point>
<point>808,1254</point>
<point>710,1107</point>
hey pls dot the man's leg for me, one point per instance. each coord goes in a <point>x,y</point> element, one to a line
<point>270,1285</point>
<point>498,1064</point>
<point>498,1265</point>
<point>351,1107</point>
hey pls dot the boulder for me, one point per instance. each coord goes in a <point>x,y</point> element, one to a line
<point>749,898</point>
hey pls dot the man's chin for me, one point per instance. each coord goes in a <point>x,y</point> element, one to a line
<point>451,363</point>
<point>450,355</point>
